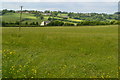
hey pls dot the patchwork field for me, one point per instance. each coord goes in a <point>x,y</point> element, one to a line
<point>13,17</point>
<point>60,52</point>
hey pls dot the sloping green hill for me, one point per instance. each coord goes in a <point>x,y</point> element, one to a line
<point>13,17</point>
<point>28,17</point>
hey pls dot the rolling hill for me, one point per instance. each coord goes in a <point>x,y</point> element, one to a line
<point>29,17</point>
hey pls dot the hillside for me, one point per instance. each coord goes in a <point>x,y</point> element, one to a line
<point>28,17</point>
<point>13,17</point>
<point>58,52</point>
<point>36,17</point>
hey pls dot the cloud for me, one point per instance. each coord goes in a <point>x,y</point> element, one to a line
<point>59,0</point>
<point>100,7</point>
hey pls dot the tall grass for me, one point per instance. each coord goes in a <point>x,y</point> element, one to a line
<point>60,52</point>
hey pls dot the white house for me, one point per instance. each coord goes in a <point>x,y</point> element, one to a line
<point>46,13</point>
<point>44,23</point>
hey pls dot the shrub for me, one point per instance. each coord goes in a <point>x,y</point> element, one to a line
<point>68,24</point>
<point>56,23</point>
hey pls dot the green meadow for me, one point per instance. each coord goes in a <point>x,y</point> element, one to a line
<point>28,17</point>
<point>13,17</point>
<point>60,52</point>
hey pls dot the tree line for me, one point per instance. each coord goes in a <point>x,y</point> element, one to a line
<point>59,23</point>
<point>17,24</point>
<point>80,16</point>
<point>83,23</point>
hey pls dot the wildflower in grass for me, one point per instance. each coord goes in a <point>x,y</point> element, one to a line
<point>48,73</point>
<point>84,69</point>
<point>24,66</point>
<point>90,59</point>
<point>4,55</point>
<point>0,51</point>
<point>107,76</point>
<point>12,66</point>
<point>45,71</point>
<point>24,75</point>
<point>74,66</point>
<point>109,57</point>
<point>103,73</point>
<point>73,73</point>
<point>34,71</point>
<point>20,65</point>
<point>102,76</point>
<point>4,50</point>
<point>10,52</point>
<point>65,65</point>
<point>13,69</point>
<point>117,73</point>
<point>18,71</point>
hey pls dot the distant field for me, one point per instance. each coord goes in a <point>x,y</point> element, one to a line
<point>62,14</point>
<point>13,17</point>
<point>28,17</point>
<point>60,52</point>
<point>74,20</point>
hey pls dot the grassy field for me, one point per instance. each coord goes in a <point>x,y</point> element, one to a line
<point>28,17</point>
<point>74,20</point>
<point>16,17</point>
<point>60,52</point>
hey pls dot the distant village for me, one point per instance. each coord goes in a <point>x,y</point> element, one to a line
<point>59,18</point>
<point>47,13</point>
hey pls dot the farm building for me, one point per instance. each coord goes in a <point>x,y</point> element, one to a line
<point>44,23</point>
<point>65,16</point>
<point>46,13</point>
<point>22,12</point>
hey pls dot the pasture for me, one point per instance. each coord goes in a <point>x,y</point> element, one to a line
<point>60,52</point>
<point>28,17</point>
<point>13,17</point>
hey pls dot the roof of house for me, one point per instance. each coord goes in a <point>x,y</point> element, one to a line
<point>65,16</point>
<point>47,14</point>
<point>47,21</point>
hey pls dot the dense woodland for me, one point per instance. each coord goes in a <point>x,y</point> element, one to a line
<point>56,18</point>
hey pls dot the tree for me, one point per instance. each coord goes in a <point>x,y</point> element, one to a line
<point>26,23</point>
<point>47,11</point>
<point>68,24</point>
<point>37,23</point>
<point>56,23</point>
<point>17,22</point>
<point>49,18</point>
<point>59,12</point>
<point>41,17</point>
<point>117,13</point>
<point>33,23</point>
<point>3,23</point>
<point>6,11</point>
<point>54,13</point>
<point>11,11</point>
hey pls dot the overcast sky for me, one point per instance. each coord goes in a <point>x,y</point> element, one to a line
<point>59,0</point>
<point>84,6</point>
